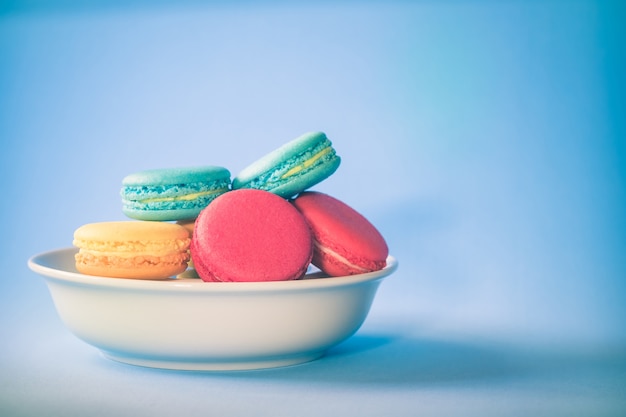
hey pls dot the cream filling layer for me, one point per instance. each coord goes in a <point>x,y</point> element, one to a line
<point>132,248</point>
<point>185,197</point>
<point>114,254</point>
<point>338,257</point>
<point>306,164</point>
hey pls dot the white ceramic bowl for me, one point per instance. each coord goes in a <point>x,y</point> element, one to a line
<point>193,325</point>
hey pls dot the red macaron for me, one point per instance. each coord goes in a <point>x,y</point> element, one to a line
<point>251,235</point>
<point>344,241</point>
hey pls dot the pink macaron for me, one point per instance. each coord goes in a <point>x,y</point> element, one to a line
<point>345,242</point>
<point>251,235</point>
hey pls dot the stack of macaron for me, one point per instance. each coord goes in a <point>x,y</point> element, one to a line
<point>264,225</point>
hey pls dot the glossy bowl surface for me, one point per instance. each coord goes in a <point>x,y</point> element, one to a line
<point>189,324</point>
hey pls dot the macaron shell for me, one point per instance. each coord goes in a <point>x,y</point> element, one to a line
<point>116,233</point>
<point>173,176</point>
<point>251,235</point>
<point>188,225</point>
<point>345,242</point>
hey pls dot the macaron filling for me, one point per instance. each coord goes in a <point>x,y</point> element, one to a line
<point>171,197</point>
<point>308,162</point>
<point>159,247</point>
<point>172,193</point>
<point>299,164</point>
<point>132,253</point>
<point>339,259</point>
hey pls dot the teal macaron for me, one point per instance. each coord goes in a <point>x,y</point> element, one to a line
<point>172,193</point>
<point>292,168</point>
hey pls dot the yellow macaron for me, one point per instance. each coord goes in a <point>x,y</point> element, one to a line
<point>132,249</point>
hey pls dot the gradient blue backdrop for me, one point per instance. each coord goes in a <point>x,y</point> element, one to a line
<point>486,140</point>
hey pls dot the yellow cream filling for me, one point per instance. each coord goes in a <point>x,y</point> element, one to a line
<point>186,197</point>
<point>132,248</point>
<point>307,163</point>
<point>114,254</point>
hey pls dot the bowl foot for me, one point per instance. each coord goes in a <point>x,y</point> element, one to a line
<point>213,365</point>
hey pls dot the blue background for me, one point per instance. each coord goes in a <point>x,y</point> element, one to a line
<point>486,140</point>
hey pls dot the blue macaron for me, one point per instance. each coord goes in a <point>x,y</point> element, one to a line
<point>292,168</point>
<point>172,193</point>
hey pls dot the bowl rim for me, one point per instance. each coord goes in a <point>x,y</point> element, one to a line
<point>40,264</point>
